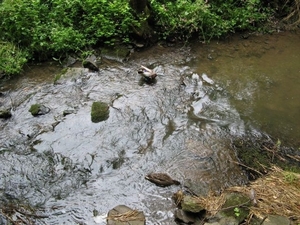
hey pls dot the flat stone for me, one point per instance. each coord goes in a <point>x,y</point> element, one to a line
<point>123,215</point>
<point>99,112</point>
<point>276,220</point>
<point>224,221</point>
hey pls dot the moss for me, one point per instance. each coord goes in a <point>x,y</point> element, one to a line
<point>58,76</point>
<point>191,204</point>
<point>99,112</point>
<point>237,206</point>
<point>35,109</point>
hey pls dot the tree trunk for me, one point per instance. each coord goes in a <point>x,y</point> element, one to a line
<point>139,6</point>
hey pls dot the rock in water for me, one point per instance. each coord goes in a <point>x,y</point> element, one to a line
<point>99,112</point>
<point>38,109</point>
<point>123,215</point>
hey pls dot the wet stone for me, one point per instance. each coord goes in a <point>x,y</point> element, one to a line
<point>68,112</point>
<point>91,62</point>
<point>190,204</point>
<point>5,113</point>
<point>38,109</point>
<point>100,112</point>
<point>185,217</point>
<point>69,61</point>
<point>121,215</point>
<point>118,54</point>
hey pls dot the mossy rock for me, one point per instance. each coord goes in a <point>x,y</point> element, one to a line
<point>100,112</point>
<point>191,204</point>
<point>237,206</point>
<point>5,113</point>
<point>38,109</point>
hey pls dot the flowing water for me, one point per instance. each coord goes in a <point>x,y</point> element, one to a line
<point>74,170</point>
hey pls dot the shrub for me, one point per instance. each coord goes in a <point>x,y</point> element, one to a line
<point>207,20</point>
<point>12,59</point>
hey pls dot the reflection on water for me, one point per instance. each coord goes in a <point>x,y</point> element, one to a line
<point>181,125</point>
<point>261,75</point>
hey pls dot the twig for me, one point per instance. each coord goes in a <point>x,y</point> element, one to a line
<point>263,220</point>
<point>241,164</point>
<point>297,158</point>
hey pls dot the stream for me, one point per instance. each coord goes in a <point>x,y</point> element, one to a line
<point>74,171</point>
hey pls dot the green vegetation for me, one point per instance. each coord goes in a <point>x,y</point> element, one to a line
<point>208,20</point>
<point>41,29</point>
<point>12,58</point>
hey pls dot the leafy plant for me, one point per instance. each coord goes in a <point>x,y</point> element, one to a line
<point>212,19</point>
<point>290,177</point>
<point>12,58</point>
<point>237,211</point>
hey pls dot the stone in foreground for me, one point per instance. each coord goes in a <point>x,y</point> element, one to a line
<point>123,215</point>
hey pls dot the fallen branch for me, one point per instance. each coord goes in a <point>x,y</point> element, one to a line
<point>241,164</point>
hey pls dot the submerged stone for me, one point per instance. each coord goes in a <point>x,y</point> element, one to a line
<point>5,113</point>
<point>123,215</point>
<point>119,53</point>
<point>100,112</point>
<point>38,109</point>
<point>68,112</point>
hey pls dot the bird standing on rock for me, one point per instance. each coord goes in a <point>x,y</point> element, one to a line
<point>161,179</point>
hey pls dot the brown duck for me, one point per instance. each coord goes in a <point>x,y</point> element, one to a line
<point>161,179</point>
